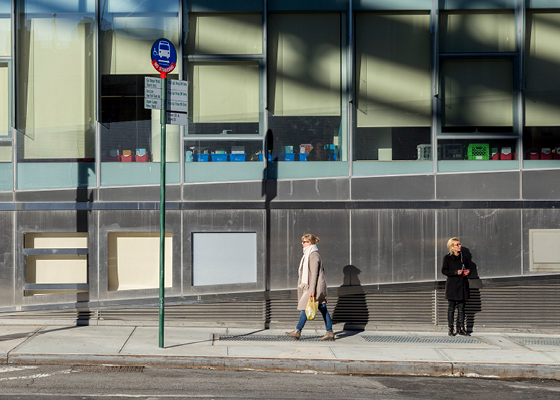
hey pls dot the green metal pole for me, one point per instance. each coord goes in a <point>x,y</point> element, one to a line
<point>162,210</point>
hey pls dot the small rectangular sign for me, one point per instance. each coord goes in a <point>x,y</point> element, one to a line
<point>182,86</point>
<point>174,105</point>
<point>152,104</point>
<point>177,118</point>
<point>152,83</point>
<point>152,93</point>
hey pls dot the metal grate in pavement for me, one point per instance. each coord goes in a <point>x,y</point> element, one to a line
<point>266,338</point>
<point>533,341</point>
<point>420,339</point>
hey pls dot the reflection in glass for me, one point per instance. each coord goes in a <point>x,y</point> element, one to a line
<point>477,96</point>
<point>223,150</point>
<point>224,33</point>
<point>4,100</point>
<point>477,149</point>
<point>304,86</point>
<point>5,28</point>
<point>477,31</point>
<point>541,136</point>
<point>55,66</point>
<point>393,82</point>
<point>129,132</point>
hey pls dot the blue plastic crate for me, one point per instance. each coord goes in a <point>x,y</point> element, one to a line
<point>203,157</point>
<point>237,157</point>
<point>303,156</point>
<point>287,157</point>
<point>219,157</point>
<point>270,156</point>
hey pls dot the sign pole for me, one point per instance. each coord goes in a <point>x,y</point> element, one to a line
<point>163,120</point>
<point>164,60</point>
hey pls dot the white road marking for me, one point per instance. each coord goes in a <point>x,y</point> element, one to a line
<point>20,368</point>
<point>36,376</point>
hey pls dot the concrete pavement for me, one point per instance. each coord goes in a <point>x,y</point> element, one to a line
<point>370,352</point>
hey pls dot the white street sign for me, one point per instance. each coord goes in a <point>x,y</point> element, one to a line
<point>152,104</point>
<point>152,93</point>
<point>152,83</point>
<point>180,106</point>
<point>177,118</point>
<point>177,94</point>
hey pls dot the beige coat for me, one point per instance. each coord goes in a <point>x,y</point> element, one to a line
<point>317,282</point>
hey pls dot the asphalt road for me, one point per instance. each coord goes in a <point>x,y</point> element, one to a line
<point>105,382</point>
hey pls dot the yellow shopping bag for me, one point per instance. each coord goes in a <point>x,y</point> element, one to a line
<point>312,307</point>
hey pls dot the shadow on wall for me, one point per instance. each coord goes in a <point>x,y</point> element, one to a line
<point>351,307</point>
<point>474,304</point>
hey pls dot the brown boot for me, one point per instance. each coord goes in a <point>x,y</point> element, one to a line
<point>295,334</point>
<point>328,336</point>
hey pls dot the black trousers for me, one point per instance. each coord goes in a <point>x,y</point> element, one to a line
<point>460,304</point>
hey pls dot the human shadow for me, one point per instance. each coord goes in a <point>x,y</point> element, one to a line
<point>351,307</point>
<point>474,305</point>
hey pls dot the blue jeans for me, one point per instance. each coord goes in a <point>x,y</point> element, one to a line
<point>326,318</point>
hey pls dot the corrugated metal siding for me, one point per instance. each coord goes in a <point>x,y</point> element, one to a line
<point>511,307</point>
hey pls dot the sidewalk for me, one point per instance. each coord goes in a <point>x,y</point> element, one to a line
<point>370,352</point>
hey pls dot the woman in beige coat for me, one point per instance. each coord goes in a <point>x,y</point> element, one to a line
<point>312,282</point>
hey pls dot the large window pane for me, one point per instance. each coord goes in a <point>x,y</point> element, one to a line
<point>304,88</point>
<point>6,166</point>
<point>5,28</point>
<point>130,134</point>
<point>55,75</point>
<point>5,100</point>
<point>393,78</point>
<point>541,136</point>
<point>477,96</point>
<point>224,33</point>
<point>477,31</point>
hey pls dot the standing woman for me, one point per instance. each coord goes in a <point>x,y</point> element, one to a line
<point>456,266</point>
<point>312,282</point>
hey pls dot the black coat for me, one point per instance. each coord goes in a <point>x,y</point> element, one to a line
<point>457,286</point>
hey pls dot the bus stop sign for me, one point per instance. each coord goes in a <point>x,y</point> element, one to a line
<point>164,56</point>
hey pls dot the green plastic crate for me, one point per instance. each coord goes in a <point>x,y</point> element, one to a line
<point>478,151</point>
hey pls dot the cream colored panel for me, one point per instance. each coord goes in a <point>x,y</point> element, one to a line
<point>56,240</point>
<point>171,139</point>
<point>227,92</point>
<point>59,108</point>
<point>477,93</point>
<point>134,260</point>
<point>544,250</point>
<point>542,95</point>
<point>393,76</point>
<point>225,34</point>
<point>5,153</point>
<point>304,64</point>
<point>128,47</point>
<point>477,31</point>
<point>59,269</point>
<point>4,101</point>
<point>5,37</point>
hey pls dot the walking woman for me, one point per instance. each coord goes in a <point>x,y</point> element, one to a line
<point>456,266</point>
<point>312,282</point>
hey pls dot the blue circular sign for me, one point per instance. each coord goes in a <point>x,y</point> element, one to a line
<point>164,56</point>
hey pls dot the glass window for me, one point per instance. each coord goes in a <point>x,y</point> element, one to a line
<point>393,84</point>
<point>477,31</point>
<point>225,33</point>
<point>541,135</point>
<point>5,100</point>
<point>56,86</point>
<point>131,134</point>
<point>477,96</point>
<point>306,117</point>
<point>5,28</point>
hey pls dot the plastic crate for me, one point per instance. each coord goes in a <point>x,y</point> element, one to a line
<point>452,151</point>
<point>237,157</point>
<point>219,157</point>
<point>303,156</point>
<point>478,151</point>
<point>287,157</point>
<point>202,157</point>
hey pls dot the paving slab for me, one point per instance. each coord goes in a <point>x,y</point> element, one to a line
<point>13,336</point>
<point>76,340</point>
<point>497,356</point>
<point>299,352</point>
<point>388,354</point>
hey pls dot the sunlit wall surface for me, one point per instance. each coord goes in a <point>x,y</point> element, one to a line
<point>55,117</point>
<point>130,135</point>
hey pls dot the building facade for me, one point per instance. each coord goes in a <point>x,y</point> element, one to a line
<point>384,127</point>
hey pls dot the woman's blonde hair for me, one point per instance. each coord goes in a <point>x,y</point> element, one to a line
<point>450,244</point>
<point>310,238</point>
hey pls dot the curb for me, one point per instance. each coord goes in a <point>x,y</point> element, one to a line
<point>418,368</point>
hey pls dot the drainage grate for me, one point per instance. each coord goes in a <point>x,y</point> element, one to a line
<point>107,368</point>
<point>266,338</point>
<point>535,341</point>
<point>420,339</point>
